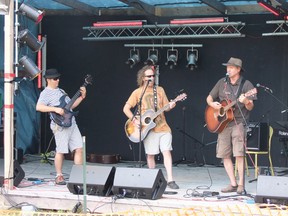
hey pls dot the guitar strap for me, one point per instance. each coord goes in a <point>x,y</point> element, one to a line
<point>241,87</point>
<point>155,97</point>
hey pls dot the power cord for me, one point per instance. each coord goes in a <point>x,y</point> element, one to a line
<point>77,208</point>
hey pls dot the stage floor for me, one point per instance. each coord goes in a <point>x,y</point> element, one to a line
<point>193,181</point>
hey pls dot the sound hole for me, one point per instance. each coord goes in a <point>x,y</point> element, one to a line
<point>147,120</point>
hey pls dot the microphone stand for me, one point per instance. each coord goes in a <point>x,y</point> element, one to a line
<point>183,159</point>
<point>279,101</point>
<point>139,107</point>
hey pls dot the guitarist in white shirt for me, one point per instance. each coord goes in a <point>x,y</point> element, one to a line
<point>160,137</point>
<point>232,137</point>
<point>66,138</point>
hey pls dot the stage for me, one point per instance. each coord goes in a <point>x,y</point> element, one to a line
<point>199,188</point>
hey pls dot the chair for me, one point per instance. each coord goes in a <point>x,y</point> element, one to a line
<point>256,153</point>
<point>268,152</point>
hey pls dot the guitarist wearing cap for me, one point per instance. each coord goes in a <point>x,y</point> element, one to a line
<point>228,118</point>
<point>68,136</point>
<point>158,137</point>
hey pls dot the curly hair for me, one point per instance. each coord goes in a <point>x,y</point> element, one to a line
<point>141,74</point>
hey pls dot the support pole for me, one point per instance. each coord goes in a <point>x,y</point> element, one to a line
<point>9,97</point>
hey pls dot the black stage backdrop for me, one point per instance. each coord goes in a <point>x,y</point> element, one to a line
<point>101,118</point>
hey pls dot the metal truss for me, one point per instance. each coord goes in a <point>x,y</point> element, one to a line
<point>281,28</point>
<point>166,31</point>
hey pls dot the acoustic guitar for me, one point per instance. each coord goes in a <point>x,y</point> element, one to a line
<point>65,120</point>
<point>147,121</point>
<point>217,120</point>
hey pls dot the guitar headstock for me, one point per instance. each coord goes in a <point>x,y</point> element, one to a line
<point>88,79</point>
<point>181,97</point>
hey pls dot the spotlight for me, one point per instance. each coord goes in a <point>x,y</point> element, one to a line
<point>26,37</point>
<point>31,12</point>
<point>152,57</point>
<point>30,67</point>
<point>134,57</point>
<point>192,58</point>
<point>172,58</point>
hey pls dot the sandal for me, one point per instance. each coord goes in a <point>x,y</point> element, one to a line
<point>59,180</point>
<point>229,189</point>
<point>240,189</point>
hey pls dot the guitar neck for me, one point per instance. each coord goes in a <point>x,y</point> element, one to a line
<point>160,111</point>
<point>74,98</point>
<point>230,105</point>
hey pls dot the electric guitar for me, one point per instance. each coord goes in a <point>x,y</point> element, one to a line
<point>147,121</point>
<point>217,120</point>
<point>65,120</point>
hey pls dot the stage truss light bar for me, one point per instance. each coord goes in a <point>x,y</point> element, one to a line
<point>166,31</point>
<point>269,7</point>
<point>281,28</point>
<point>119,23</point>
<point>198,20</point>
<point>164,45</point>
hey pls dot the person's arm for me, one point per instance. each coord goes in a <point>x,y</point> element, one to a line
<point>45,108</point>
<point>249,105</point>
<point>81,98</point>
<point>215,104</point>
<point>127,110</point>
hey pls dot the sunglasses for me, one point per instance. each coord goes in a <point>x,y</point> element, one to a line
<point>149,76</point>
<point>56,78</point>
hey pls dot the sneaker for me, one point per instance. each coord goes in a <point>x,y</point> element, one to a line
<point>172,185</point>
<point>59,180</point>
<point>229,189</point>
<point>240,189</point>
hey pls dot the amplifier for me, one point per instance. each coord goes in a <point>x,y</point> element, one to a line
<point>257,136</point>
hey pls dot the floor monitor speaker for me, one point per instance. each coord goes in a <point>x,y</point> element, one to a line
<point>99,180</point>
<point>272,189</point>
<point>257,136</point>
<point>18,173</point>
<point>140,183</point>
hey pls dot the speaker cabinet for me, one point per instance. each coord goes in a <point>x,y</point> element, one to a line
<point>272,189</point>
<point>139,183</point>
<point>18,173</point>
<point>99,180</point>
<point>257,136</point>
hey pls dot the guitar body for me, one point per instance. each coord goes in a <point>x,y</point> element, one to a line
<point>64,120</point>
<point>132,131</point>
<point>217,120</point>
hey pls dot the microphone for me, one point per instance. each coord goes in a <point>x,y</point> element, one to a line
<point>227,78</point>
<point>264,87</point>
<point>149,80</point>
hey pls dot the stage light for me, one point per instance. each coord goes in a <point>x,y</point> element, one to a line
<point>31,12</point>
<point>172,58</point>
<point>198,20</point>
<point>268,6</point>
<point>26,37</point>
<point>30,67</point>
<point>152,57</point>
<point>192,58</point>
<point>134,57</point>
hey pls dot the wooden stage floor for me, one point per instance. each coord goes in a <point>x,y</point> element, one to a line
<point>197,187</point>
